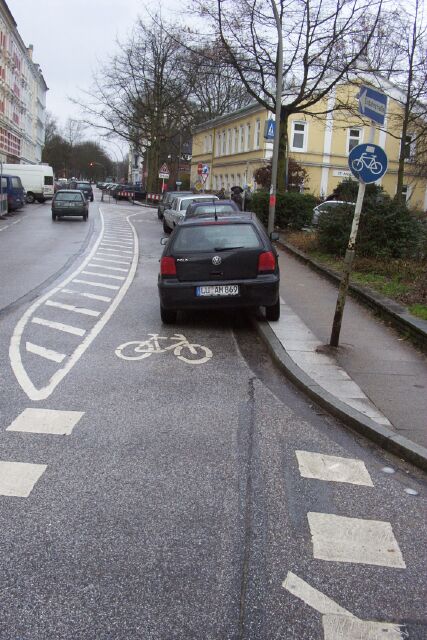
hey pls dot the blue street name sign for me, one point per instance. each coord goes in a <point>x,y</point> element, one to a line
<point>372,104</point>
<point>367,162</point>
<point>269,130</point>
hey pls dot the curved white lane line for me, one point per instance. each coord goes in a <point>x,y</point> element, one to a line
<point>14,348</point>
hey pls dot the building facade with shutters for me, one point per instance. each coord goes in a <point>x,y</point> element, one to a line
<point>233,146</point>
<point>22,96</point>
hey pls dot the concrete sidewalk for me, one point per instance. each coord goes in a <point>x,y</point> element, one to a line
<point>375,372</point>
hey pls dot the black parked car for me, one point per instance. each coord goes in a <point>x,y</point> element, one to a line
<point>86,187</point>
<point>213,262</point>
<point>69,202</point>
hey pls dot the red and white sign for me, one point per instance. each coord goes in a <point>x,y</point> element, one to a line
<point>164,172</point>
<point>200,168</point>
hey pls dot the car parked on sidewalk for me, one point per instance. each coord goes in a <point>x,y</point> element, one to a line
<point>11,186</point>
<point>216,262</point>
<point>69,202</point>
<point>86,187</point>
<point>176,211</point>
<point>166,200</point>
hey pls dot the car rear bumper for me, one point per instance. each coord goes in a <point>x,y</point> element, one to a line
<point>70,212</point>
<point>262,291</point>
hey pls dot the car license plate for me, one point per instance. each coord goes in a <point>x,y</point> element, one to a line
<point>212,291</point>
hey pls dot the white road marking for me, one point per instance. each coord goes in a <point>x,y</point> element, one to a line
<point>341,539</point>
<point>117,245</point>
<point>103,275</point>
<point>112,254</point>
<point>18,478</point>
<point>118,237</point>
<point>345,628</point>
<point>71,307</point>
<point>49,421</point>
<point>96,284</point>
<point>49,354</point>
<point>104,266</point>
<point>59,326</point>
<point>10,225</point>
<point>333,468</point>
<point>117,240</point>
<point>18,368</point>
<point>339,623</point>
<point>112,261</point>
<point>92,296</point>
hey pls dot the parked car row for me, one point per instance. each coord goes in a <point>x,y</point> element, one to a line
<point>121,191</point>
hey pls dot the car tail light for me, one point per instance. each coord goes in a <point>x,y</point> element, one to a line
<point>167,266</point>
<point>266,261</point>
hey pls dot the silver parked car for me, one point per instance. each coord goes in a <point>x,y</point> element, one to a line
<point>328,205</point>
<point>178,207</point>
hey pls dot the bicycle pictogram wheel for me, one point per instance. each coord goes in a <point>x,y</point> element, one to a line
<point>135,350</point>
<point>192,353</point>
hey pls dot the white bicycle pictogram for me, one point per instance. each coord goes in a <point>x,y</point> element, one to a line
<point>369,161</point>
<point>140,349</point>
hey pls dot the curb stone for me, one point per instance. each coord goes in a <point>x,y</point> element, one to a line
<point>385,437</point>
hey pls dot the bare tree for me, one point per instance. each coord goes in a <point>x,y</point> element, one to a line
<point>319,50</point>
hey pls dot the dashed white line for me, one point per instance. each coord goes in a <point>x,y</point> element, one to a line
<point>67,328</point>
<point>47,421</point>
<point>18,478</point>
<point>109,260</point>
<point>91,296</point>
<point>340,539</point>
<point>97,284</point>
<point>333,468</point>
<point>49,354</point>
<point>311,596</point>
<point>103,275</point>
<point>73,308</point>
<point>104,266</point>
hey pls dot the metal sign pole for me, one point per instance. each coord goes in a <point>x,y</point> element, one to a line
<point>349,258</point>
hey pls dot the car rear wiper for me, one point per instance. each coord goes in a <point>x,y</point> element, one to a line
<point>226,248</point>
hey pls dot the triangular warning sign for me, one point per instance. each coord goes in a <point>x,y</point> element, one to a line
<point>164,168</point>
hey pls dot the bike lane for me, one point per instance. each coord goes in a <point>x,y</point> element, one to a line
<point>175,507</point>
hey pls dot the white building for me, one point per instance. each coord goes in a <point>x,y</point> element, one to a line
<point>22,96</point>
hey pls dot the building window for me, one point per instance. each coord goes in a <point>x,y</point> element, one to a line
<point>235,140</point>
<point>210,143</point>
<point>299,136</point>
<point>242,138</point>
<point>217,145</point>
<point>406,192</point>
<point>238,180</point>
<point>409,152</point>
<point>257,136</point>
<point>223,143</point>
<point>229,136</point>
<point>248,137</point>
<point>205,144</point>
<point>232,179</point>
<point>354,137</point>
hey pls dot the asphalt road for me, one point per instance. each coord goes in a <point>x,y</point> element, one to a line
<point>163,491</point>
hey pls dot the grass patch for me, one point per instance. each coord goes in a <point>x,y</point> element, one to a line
<point>419,310</point>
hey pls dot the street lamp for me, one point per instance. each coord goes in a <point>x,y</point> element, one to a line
<point>279,81</point>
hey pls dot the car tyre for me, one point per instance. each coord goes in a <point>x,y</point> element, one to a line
<point>41,200</point>
<point>85,217</point>
<point>166,229</point>
<point>54,216</point>
<point>159,214</point>
<point>30,198</point>
<point>168,316</point>
<point>273,313</point>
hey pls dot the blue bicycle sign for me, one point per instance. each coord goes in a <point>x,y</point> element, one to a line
<point>368,162</point>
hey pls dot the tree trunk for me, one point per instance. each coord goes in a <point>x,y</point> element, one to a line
<point>282,166</point>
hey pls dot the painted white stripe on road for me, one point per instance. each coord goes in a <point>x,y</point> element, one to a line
<point>116,239</point>
<point>48,421</point>
<point>96,284</point>
<point>92,296</point>
<point>333,468</point>
<point>109,247</point>
<point>112,254</point>
<point>339,623</point>
<point>341,539</point>
<point>111,261</point>
<point>18,478</point>
<point>49,354</point>
<point>117,245</point>
<point>104,266</point>
<point>74,309</point>
<point>103,275</point>
<point>66,328</point>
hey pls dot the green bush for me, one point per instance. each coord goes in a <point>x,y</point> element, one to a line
<point>293,210</point>
<point>386,230</point>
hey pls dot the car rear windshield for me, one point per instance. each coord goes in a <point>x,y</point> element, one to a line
<point>185,203</point>
<point>216,237</point>
<point>211,208</point>
<point>48,180</point>
<point>68,197</point>
<point>83,185</point>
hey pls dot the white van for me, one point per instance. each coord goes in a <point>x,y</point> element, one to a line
<point>37,180</point>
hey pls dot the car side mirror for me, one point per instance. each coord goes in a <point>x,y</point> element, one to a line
<point>274,236</point>
<point>164,240</point>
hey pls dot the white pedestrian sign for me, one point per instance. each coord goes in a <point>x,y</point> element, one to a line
<point>373,104</point>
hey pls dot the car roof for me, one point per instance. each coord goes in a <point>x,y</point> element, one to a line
<point>67,191</point>
<point>202,197</point>
<point>214,202</point>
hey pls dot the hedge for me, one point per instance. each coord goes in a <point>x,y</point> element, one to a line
<point>293,210</point>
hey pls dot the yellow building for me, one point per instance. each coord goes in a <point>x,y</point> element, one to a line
<point>232,146</point>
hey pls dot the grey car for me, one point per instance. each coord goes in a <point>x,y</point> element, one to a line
<point>166,200</point>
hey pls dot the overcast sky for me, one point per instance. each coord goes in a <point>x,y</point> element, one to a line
<point>70,37</point>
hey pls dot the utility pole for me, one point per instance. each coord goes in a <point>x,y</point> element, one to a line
<point>279,82</point>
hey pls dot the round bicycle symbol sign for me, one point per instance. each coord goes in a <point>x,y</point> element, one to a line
<point>368,162</point>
